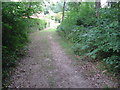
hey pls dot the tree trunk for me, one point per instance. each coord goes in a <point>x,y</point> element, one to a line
<point>29,6</point>
<point>98,6</point>
<point>63,10</point>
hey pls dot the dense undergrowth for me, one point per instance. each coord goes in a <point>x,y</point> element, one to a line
<point>16,26</point>
<point>95,37</point>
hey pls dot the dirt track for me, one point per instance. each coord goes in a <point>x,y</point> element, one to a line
<point>48,66</point>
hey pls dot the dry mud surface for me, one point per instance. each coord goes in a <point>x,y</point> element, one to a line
<point>48,66</point>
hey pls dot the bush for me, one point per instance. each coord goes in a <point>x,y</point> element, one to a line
<point>37,24</point>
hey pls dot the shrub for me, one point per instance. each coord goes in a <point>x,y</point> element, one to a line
<point>94,37</point>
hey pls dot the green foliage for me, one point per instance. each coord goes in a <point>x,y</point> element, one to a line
<point>20,9</point>
<point>97,37</point>
<point>55,7</point>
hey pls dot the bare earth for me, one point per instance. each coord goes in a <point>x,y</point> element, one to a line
<point>48,66</point>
